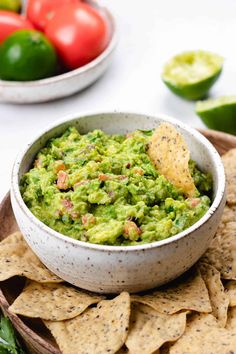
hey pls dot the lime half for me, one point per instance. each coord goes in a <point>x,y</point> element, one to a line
<point>219,113</point>
<point>191,74</point>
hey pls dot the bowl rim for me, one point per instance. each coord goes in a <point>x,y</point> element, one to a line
<point>81,70</point>
<point>219,196</point>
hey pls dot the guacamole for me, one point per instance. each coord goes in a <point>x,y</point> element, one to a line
<point>104,189</point>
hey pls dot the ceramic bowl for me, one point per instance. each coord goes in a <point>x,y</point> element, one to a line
<point>66,84</point>
<point>111,269</point>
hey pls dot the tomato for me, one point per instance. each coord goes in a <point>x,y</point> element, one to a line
<point>79,33</point>
<point>11,22</point>
<point>40,11</point>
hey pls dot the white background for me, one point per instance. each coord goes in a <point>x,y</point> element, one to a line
<point>150,32</point>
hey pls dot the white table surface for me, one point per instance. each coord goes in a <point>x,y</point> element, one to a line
<point>150,33</point>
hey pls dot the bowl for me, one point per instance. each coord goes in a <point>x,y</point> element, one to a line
<point>111,269</point>
<point>66,84</point>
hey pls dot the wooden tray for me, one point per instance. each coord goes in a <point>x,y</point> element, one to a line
<point>35,335</point>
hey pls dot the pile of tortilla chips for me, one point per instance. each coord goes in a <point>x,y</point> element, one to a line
<point>195,314</point>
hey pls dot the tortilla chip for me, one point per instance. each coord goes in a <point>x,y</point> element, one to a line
<point>231,323</point>
<point>150,329</point>
<point>204,335</point>
<point>229,229</point>
<point>102,329</point>
<point>187,293</point>
<point>229,161</point>
<point>16,258</point>
<point>222,252</point>
<point>229,213</point>
<point>165,349</point>
<point>219,299</point>
<point>122,350</point>
<point>230,288</point>
<point>54,302</point>
<point>170,155</point>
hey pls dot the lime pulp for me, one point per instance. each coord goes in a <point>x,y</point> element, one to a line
<point>191,74</point>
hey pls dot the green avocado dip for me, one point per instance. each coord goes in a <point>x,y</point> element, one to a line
<point>104,189</point>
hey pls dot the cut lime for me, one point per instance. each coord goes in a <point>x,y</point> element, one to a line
<point>219,113</point>
<point>191,74</point>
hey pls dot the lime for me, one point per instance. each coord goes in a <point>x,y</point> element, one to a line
<point>191,74</point>
<point>219,113</point>
<point>27,55</point>
<point>11,5</point>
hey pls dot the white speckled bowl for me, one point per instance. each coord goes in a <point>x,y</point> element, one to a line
<point>66,84</point>
<point>111,269</point>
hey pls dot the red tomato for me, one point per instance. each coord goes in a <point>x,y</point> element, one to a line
<point>40,11</point>
<point>79,33</point>
<point>11,22</point>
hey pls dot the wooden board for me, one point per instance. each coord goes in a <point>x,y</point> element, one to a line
<point>35,335</point>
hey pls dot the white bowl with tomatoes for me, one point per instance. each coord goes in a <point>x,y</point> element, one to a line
<point>82,34</point>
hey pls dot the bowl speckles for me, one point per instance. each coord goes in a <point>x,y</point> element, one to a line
<point>111,269</point>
